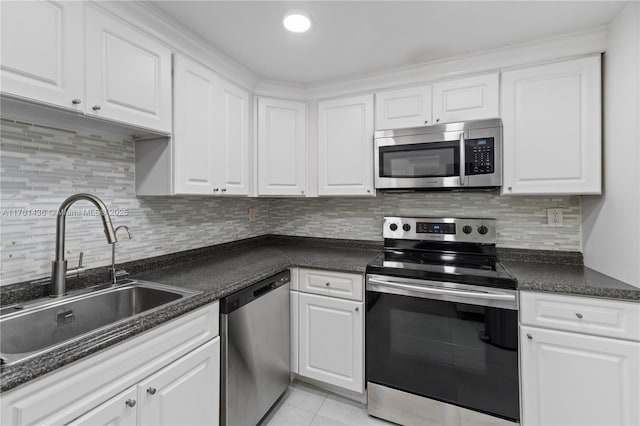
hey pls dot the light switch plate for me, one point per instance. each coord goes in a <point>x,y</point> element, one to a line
<point>252,214</point>
<point>554,218</point>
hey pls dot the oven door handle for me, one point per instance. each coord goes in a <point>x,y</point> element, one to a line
<point>417,290</point>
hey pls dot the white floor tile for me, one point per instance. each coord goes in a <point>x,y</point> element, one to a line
<point>306,397</point>
<point>348,412</point>
<point>319,420</point>
<point>288,415</point>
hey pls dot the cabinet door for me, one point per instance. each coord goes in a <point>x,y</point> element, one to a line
<point>345,146</point>
<point>471,98</point>
<point>187,392</point>
<point>552,128</point>
<point>196,160</point>
<point>331,339</point>
<point>234,139</point>
<point>294,331</point>
<point>574,379</point>
<point>43,52</point>
<point>120,410</point>
<point>282,140</point>
<point>408,107</point>
<point>128,74</point>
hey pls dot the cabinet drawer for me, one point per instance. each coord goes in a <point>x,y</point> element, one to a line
<point>588,315</point>
<point>336,284</point>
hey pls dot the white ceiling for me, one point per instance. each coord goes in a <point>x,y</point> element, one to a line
<point>354,38</point>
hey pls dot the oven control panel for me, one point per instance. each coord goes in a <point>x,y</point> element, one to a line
<point>435,228</point>
<point>476,230</point>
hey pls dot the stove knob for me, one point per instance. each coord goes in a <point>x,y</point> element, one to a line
<point>467,229</point>
<point>406,227</point>
<point>483,229</point>
<point>393,226</point>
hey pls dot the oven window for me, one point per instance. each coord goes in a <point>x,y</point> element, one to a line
<point>457,353</point>
<point>420,160</point>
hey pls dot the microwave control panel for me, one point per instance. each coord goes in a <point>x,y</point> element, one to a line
<point>480,156</point>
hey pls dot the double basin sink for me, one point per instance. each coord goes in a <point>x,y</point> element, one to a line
<point>36,327</point>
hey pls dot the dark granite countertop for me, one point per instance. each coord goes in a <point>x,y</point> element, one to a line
<point>577,280</point>
<point>215,272</point>
<point>220,270</point>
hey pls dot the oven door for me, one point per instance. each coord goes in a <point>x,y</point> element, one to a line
<point>449,342</point>
<point>420,161</point>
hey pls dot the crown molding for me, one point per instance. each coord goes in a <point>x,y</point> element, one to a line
<point>549,49</point>
<point>156,23</point>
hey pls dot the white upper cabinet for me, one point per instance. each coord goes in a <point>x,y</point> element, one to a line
<point>234,138</point>
<point>42,56</point>
<point>196,162</point>
<point>209,150</point>
<point>552,128</point>
<point>345,146</point>
<point>471,98</point>
<point>410,107</point>
<point>128,74</point>
<point>282,140</point>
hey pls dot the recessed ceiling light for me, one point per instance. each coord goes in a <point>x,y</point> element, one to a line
<point>296,21</point>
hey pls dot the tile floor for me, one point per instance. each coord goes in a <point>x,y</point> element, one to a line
<point>305,405</point>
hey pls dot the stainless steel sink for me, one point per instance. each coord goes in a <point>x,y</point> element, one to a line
<point>31,329</point>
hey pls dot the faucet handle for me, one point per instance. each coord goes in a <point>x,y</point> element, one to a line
<point>78,270</point>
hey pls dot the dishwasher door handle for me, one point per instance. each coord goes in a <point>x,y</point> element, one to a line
<point>265,289</point>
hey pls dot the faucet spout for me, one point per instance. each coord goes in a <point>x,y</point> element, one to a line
<point>59,265</point>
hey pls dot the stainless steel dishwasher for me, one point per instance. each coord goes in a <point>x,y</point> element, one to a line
<point>256,356</point>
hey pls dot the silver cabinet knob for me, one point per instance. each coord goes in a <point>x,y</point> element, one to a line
<point>131,402</point>
<point>357,309</point>
<point>151,391</point>
<point>368,191</point>
<point>437,120</point>
<point>216,189</point>
<point>510,188</point>
<point>529,336</point>
<point>224,190</point>
<point>76,101</point>
<point>426,121</point>
<point>96,108</point>
<point>579,315</point>
<point>302,192</point>
<point>327,284</point>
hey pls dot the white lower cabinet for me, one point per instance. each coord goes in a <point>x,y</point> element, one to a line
<point>577,378</point>
<point>294,330</point>
<point>185,392</point>
<point>331,341</point>
<point>167,376</point>
<point>120,410</point>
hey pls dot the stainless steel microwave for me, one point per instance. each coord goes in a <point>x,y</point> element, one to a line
<point>453,155</point>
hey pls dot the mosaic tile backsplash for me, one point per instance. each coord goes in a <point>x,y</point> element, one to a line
<point>522,221</point>
<point>41,166</point>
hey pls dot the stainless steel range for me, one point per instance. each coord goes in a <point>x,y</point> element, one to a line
<point>441,324</point>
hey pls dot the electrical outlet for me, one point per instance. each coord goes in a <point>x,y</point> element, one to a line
<point>554,218</point>
<point>252,214</point>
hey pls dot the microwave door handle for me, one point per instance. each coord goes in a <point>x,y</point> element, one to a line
<point>463,160</point>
